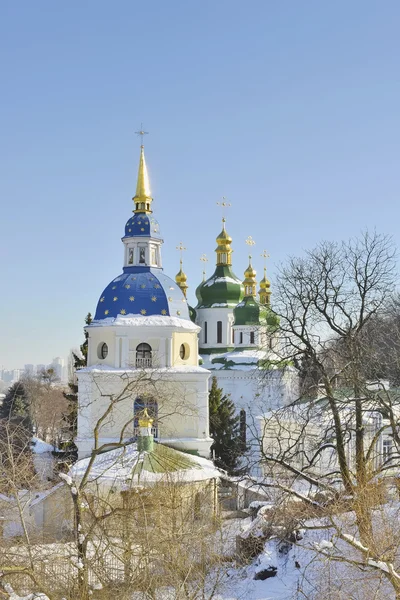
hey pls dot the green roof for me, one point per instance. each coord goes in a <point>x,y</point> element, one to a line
<point>223,288</point>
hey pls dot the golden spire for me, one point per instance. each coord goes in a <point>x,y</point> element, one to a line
<point>142,198</point>
<point>181,277</point>
<point>265,284</point>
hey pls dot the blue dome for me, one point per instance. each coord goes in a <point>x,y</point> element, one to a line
<point>142,224</point>
<point>142,291</point>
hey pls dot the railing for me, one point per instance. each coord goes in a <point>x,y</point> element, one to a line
<point>143,363</point>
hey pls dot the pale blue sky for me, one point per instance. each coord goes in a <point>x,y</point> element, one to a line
<point>290,109</point>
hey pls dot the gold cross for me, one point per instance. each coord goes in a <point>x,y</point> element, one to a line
<point>204,260</point>
<point>181,248</point>
<point>265,255</point>
<point>224,205</point>
<point>141,133</point>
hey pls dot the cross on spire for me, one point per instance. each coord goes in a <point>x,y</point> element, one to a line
<point>181,249</point>
<point>224,205</point>
<point>265,255</point>
<point>141,133</point>
<point>204,260</point>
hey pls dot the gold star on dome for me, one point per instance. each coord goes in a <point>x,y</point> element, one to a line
<point>151,278</point>
<point>129,230</point>
<point>163,312</point>
<point>114,287</point>
<point>132,298</point>
<point>102,299</point>
<point>157,286</point>
<point>142,286</point>
<point>142,229</point>
<point>106,312</point>
<point>127,286</point>
<point>133,278</point>
<point>178,312</point>
<point>143,311</point>
<point>153,299</point>
<point>139,222</point>
<point>123,311</point>
<point>115,298</point>
<point>169,299</point>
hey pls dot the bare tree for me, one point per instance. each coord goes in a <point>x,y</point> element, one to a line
<point>326,447</point>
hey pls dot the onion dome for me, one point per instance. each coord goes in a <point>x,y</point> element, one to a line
<point>250,282</point>
<point>181,279</point>
<point>265,289</point>
<point>142,291</point>
<point>247,312</point>
<point>223,288</point>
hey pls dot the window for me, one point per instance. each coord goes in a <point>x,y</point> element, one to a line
<point>252,336</point>
<point>205,332</point>
<point>102,351</point>
<point>241,338</point>
<point>142,256</point>
<point>143,355</point>
<point>219,332</point>
<point>387,450</point>
<point>152,409</point>
<point>130,257</point>
<point>233,336</point>
<point>184,351</point>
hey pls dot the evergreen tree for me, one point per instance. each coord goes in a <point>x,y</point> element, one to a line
<point>15,407</point>
<point>228,444</point>
<point>72,395</point>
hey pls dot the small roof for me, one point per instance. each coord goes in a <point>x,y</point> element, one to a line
<point>126,466</point>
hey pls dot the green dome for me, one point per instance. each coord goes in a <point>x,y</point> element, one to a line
<point>251,312</point>
<point>223,288</point>
<point>192,314</point>
<point>247,312</point>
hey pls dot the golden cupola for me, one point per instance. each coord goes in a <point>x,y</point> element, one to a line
<point>142,198</point>
<point>265,290</point>
<point>181,279</point>
<point>224,250</point>
<point>250,283</point>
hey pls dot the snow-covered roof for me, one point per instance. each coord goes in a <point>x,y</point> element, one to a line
<point>132,320</point>
<point>126,466</point>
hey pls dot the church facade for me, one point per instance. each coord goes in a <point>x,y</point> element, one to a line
<point>147,348</point>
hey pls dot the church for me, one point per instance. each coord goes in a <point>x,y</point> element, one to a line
<point>148,349</point>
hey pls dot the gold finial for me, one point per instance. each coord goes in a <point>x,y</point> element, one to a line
<point>265,284</point>
<point>204,260</point>
<point>142,198</point>
<point>145,420</point>
<point>181,277</point>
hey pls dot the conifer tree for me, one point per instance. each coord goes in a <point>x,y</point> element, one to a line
<point>228,444</point>
<point>15,407</point>
<point>72,395</point>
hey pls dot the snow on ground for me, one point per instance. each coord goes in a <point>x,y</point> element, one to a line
<point>40,447</point>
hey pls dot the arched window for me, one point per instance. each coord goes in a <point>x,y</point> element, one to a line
<point>252,337</point>
<point>143,356</point>
<point>241,338</point>
<point>219,332</point>
<point>205,332</point>
<point>152,409</point>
